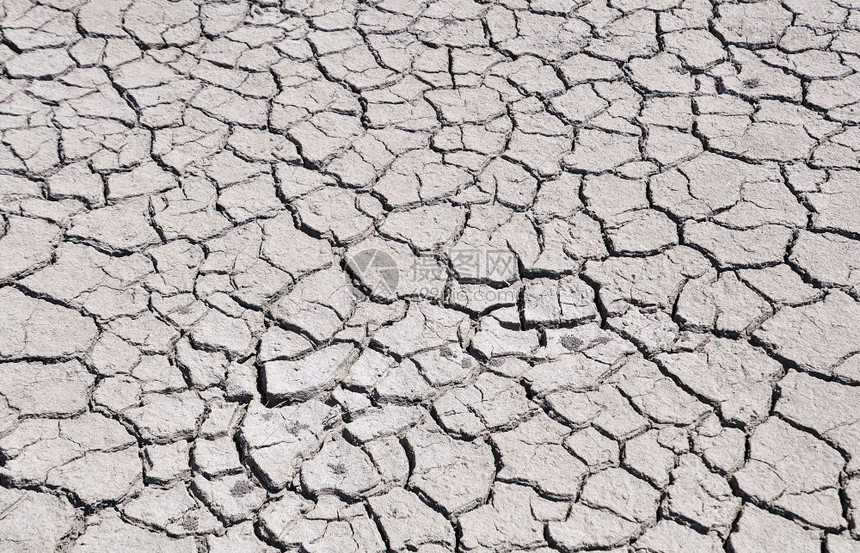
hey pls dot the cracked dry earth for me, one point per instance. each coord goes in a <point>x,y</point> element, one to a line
<point>382,275</point>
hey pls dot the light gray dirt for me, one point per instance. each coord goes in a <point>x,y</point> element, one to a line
<point>356,276</point>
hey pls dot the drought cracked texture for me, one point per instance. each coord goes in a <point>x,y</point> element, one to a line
<point>341,276</point>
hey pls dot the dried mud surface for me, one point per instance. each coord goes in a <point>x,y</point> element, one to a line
<point>334,276</point>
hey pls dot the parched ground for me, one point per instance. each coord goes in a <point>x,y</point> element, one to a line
<point>341,276</point>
